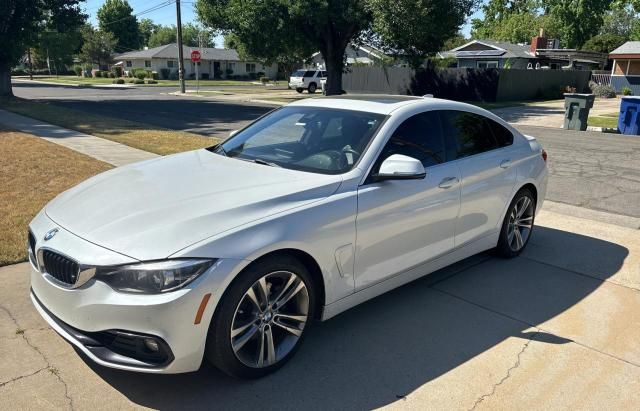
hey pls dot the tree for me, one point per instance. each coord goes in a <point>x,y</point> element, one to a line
<point>197,36</point>
<point>270,29</point>
<point>21,20</point>
<point>577,20</point>
<point>416,28</point>
<point>116,17</point>
<point>56,49</point>
<point>604,43</point>
<point>162,36</point>
<point>146,27</point>
<point>97,46</point>
<point>454,42</point>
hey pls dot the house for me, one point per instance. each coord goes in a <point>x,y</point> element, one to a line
<point>626,67</point>
<point>490,54</point>
<point>214,62</point>
<point>542,53</point>
<point>355,55</point>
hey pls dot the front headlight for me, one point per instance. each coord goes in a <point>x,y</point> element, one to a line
<point>153,277</point>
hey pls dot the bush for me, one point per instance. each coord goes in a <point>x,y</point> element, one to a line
<point>228,73</point>
<point>97,73</point>
<point>260,74</point>
<point>253,76</point>
<point>18,72</point>
<point>131,80</point>
<point>264,80</point>
<point>602,90</point>
<point>626,91</point>
<point>112,74</point>
<point>204,76</point>
<point>138,81</point>
<point>118,81</point>
<point>141,74</point>
<point>77,70</point>
<point>165,73</point>
<point>117,71</point>
<point>173,75</point>
<point>152,82</point>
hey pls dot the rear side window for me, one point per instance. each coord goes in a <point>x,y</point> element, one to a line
<point>470,132</point>
<point>420,137</point>
<point>309,73</point>
<point>503,136</point>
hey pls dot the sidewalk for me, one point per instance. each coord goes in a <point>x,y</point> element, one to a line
<point>104,150</point>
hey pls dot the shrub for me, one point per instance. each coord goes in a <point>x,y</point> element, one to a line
<point>112,74</point>
<point>138,81</point>
<point>141,74</point>
<point>165,73</point>
<point>153,75</point>
<point>602,90</point>
<point>626,91</point>
<point>260,74</point>
<point>228,73</point>
<point>118,81</point>
<point>117,71</point>
<point>131,80</point>
<point>173,75</point>
<point>204,76</point>
<point>152,82</point>
<point>78,70</point>
<point>18,72</point>
<point>253,76</point>
<point>97,73</point>
<point>264,80</point>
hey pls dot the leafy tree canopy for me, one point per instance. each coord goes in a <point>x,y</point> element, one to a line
<point>116,17</point>
<point>604,43</point>
<point>22,20</point>
<point>192,36</point>
<point>97,46</point>
<point>147,27</point>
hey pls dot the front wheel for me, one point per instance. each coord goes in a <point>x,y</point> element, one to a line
<point>262,318</point>
<point>299,90</point>
<point>312,88</point>
<point>517,225</point>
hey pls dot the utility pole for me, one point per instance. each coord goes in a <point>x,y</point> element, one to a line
<point>180,56</point>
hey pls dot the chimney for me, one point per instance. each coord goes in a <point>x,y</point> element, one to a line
<point>538,42</point>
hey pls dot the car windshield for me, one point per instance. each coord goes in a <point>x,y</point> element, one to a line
<point>314,139</point>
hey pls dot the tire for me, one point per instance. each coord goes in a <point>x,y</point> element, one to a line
<point>516,230</point>
<point>233,313</point>
<point>299,90</point>
<point>312,88</point>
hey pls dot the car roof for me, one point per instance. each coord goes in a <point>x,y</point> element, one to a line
<point>381,104</point>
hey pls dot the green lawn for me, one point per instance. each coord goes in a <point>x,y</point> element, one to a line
<point>607,121</point>
<point>88,81</point>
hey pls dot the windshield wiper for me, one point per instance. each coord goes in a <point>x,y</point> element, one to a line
<point>266,163</point>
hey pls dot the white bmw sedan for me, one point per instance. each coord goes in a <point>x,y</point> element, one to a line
<point>229,253</point>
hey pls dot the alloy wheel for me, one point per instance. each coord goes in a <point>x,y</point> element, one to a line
<point>270,319</point>
<point>520,223</point>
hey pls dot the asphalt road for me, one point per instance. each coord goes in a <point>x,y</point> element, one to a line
<point>588,169</point>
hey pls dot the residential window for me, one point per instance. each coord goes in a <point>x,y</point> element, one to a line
<point>147,63</point>
<point>171,64</point>
<point>251,68</point>
<point>487,64</point>
<point>128,63</point>
<point>231,66</point>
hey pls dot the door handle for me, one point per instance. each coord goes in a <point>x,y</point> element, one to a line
<point>448,182</point>
<point>505,164</point>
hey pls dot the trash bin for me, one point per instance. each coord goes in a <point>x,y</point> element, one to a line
<point>629,119</point>
<point>577,108</point>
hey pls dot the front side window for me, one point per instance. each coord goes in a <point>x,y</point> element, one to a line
<point>314,139</point>
<point>469,131</point>
<point>419,137</point>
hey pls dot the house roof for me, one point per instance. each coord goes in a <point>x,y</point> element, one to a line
<point>490,49</point>
<point>630,47</point>
<point>171,51</point>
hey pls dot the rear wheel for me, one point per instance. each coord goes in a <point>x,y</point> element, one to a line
<point>299,90</point>
<point>262,318</point>
<point>517,225</point>
<point>312,88</point>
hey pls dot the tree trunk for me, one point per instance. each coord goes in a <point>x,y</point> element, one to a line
<point>334,60</point>
<point>5,81</point>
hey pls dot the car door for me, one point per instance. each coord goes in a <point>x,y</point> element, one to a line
<point>403,223</point>
<point>484,152</point>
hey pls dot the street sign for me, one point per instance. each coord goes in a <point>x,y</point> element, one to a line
<point>195,56</point>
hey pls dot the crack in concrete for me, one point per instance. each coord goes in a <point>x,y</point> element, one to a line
<point>506,377</point>
<point>49,367</point>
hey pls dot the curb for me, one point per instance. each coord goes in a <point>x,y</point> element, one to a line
<point>51,83</point>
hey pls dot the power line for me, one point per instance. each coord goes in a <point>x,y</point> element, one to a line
<point>149,10</point>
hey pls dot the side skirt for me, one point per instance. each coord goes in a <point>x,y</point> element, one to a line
<point>482,244</point>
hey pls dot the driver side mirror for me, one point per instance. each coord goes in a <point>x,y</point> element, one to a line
<point>400,167</point>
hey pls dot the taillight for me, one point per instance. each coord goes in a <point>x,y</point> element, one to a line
<point>544,155</point>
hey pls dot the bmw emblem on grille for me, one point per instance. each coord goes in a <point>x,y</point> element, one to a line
<point>50,234</point>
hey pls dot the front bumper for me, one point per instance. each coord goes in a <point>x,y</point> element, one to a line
<point>82,314</point>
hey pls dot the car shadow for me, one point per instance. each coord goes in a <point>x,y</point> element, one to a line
<point>382,350</point>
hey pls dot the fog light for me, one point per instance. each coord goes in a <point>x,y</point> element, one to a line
<point>151,344</point>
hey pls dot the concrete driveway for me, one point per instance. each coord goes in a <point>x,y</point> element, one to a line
<point>557,328</point>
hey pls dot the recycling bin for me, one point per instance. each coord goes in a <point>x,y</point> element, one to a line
<point>629,119</point>
<point>577,108</point>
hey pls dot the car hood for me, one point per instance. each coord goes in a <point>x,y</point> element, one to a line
<point>153,209</point>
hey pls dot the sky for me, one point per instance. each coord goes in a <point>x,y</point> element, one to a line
<point>167,15</point>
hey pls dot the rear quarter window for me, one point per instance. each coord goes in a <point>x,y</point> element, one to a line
<point>503,136</point>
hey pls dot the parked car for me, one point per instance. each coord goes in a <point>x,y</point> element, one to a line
<point>229,253</point>
<point>306,80</point>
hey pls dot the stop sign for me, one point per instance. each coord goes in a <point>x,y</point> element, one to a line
<point>195,56</point>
